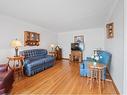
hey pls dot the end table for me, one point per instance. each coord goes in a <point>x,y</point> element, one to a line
<point>17,65</point>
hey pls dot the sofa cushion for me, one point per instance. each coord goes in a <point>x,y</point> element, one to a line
<point>35,58</point>
<point>34,61</point>
<point>105,57</point>
<point>37,61</point>
<point>49,58</point>
<point>33,53</point>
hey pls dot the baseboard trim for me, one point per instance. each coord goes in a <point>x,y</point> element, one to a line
<point>117,91</point>
<point>65,58</point>
<point>70,60</point>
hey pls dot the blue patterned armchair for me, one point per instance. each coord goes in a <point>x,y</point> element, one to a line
<point>36,60</point>
<point>105,58</point>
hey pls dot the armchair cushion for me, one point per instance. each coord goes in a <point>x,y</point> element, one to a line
<point>6,79</point>
<point>83,68</point>
<point>104,58</point>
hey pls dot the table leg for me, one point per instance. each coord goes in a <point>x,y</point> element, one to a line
<point>99,80</point>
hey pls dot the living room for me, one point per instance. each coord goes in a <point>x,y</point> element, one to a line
<point>58,22</point>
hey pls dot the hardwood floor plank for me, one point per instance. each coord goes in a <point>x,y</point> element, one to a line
<point>62,79</point>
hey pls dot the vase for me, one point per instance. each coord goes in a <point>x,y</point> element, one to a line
<point>94,63</point>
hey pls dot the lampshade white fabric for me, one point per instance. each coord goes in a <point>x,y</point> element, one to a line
<point>52,45</point>
<point>16,43</point>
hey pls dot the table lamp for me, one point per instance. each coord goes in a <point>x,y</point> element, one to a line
<point>52,46</point>
<point>16,44</point>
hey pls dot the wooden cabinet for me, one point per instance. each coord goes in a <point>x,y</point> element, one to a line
<point>76,55</point>
<point>58,52</point>
<point>109,30</point>
<point>31,38</point>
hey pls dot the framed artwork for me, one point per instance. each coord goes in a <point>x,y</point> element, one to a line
<point>109,30</point>
<point>31,38</point>
<point>79,39</point>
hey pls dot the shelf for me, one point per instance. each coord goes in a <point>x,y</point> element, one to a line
<point>109,30</point>
<point>31,38</point>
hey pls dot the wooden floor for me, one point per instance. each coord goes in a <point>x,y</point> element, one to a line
<point>61,79</point>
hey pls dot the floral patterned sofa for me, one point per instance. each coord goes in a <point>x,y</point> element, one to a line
<point>36,60</point>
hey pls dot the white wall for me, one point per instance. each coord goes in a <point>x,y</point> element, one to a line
<point>94,38</point>
<point>125,48</point>
<point>11,28</point>
<point>116,47</point>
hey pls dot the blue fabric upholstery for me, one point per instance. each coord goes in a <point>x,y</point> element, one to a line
<point>36,60</point>
<point>105,58</point>
<point>83,68</point>
<point>34,53</point>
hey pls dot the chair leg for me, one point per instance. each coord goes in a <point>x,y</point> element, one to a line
<point>91,78</point>
<point>88,80</point>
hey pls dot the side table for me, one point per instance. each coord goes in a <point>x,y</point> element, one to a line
<point>52,53</point>
<point>96,72</point>
<point>17,65</point>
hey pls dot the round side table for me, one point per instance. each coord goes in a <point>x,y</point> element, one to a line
<point>17,65</point>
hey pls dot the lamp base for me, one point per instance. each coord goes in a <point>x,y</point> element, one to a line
<point>16,52</point>
<point>16,56</point>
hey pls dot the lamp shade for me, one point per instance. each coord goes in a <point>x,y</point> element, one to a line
<point>52,45</point>
<point>16,43</point>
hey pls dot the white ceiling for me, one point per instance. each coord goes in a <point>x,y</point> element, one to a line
<point>59,15</point>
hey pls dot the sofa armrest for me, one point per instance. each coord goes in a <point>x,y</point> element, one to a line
<point>84,64</point>
<point>26,61</point>
<point>7,79</point>
<point>89,59</point>
<point>3,67</point>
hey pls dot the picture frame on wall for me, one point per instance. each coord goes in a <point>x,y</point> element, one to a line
<point>79,39</point>
<point>110,30</point>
